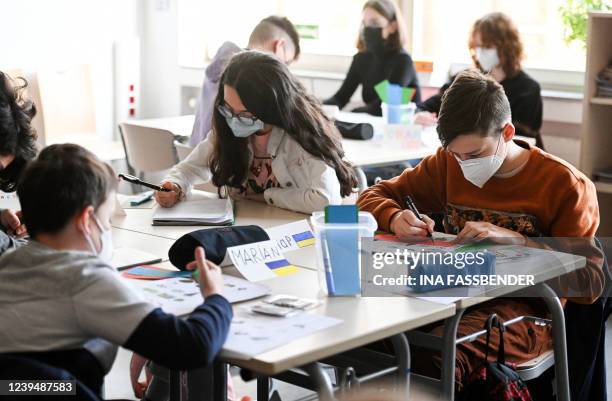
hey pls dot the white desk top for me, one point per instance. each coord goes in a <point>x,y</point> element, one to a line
<point>138,221</point>
<point>364,320</point>
<point>391,144</point>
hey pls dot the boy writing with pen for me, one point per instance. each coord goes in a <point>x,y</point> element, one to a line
<point>489,186</point>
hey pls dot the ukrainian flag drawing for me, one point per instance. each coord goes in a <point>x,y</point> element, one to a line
<point>282,267</point>
<point>303,239</point>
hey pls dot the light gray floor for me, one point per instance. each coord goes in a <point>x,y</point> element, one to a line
<point>117,384</point>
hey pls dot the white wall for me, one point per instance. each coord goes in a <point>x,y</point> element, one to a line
<point>160,89</point>
<point>39,34</point>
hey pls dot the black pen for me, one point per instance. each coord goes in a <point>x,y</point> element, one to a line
<point>412,207</point>
<point>138,181</point>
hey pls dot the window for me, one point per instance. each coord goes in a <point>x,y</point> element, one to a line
<point>440,32</point>
<point>327,27</point>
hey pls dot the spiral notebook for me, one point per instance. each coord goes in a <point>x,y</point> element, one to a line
<point>201,212</point>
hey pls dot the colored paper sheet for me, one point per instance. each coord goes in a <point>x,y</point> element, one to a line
<point>153,273</point>
<point>381,89</point>
<point>341,246</point>
<point>407,95</point>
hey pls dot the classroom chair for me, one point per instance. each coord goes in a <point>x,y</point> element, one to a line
<point>147,150</point>
<point>182,150</point>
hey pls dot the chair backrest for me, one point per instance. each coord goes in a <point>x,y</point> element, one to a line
<point>22,368</point>
<point>182,150</point>
<point>148,149</point>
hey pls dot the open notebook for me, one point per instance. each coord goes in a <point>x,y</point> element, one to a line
<point>200,212</point>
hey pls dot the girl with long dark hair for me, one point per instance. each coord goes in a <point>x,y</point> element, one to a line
<point>271,142</point>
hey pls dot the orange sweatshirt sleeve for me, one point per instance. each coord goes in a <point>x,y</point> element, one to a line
<point>426,184</point>
<point>574,226</point>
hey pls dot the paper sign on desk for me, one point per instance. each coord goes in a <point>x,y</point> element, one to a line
<point>260,260</point>
<point>292,236</point>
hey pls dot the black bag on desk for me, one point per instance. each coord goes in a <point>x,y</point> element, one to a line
<point>496,380</point>
<point>362,131</point>
<point>215,242</point>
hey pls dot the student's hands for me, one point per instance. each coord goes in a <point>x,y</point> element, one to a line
<point>406,224</point>
<point>425,118</point>
<point>210,278</point>
<point>11,220</point>
<point>168,199</point>
<point>136,364</point>
<point>479,230</point>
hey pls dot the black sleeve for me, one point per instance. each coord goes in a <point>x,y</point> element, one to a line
<point>527,112</point>
<point>183,343</point>
<point>404,74</point>
<point>434,103</point>
<point>348,87</point>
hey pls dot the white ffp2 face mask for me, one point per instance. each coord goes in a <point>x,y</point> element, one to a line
<point>106,241</point>
<point>487,58</point>
<point>479,171</point>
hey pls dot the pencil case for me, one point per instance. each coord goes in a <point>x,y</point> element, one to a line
<point>215,242</point>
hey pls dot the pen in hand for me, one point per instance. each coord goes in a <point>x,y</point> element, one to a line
<point>138,181</point>
<point>412,207</point>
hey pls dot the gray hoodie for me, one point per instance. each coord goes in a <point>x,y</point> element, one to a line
<point>210,87</point>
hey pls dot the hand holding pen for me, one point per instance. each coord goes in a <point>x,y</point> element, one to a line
<point>410,223</point>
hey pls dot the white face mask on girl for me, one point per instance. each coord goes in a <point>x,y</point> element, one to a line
<point>487,58</point>
<point>478,171</point>
<point>106,241</point>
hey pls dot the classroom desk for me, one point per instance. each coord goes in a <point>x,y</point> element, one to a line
<point>364,320</point>
<point>247,212</point>
<point>139,221</point>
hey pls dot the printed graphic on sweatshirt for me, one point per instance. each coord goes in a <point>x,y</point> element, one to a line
<point>457,216</point>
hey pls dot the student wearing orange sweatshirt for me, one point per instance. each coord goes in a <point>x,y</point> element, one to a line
<point>489,185</point>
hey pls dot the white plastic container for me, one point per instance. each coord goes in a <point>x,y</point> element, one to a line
<point>398,114</point>
<point>330,255</point>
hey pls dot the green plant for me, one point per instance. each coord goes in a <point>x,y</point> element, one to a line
<point>574,17</point>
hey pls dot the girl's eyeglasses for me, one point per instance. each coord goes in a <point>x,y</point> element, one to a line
<point>242,117</point>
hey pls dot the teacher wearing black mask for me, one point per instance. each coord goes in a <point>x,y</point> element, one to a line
<point>381,56</point>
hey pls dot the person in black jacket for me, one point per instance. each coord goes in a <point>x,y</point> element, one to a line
<point>381,57</point>
<point>496,48</point>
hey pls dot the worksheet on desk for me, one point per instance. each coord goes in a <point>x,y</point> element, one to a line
<point>180,295</point>
<point>253,334</point>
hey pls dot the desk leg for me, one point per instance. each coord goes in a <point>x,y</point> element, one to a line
<point>219,381</point>
<point>402,352</point>
<point>559,342</point>
<point>362,181</point>
<point>263,388</point>
<point>321,381</point>
<point>449,355</point>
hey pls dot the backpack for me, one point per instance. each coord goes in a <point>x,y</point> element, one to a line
<point>495,380</point>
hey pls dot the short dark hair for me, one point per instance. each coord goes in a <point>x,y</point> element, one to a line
<point>61,182</point>
<point>474,103</point>
<point>263,33</point>
<point>17,137</point>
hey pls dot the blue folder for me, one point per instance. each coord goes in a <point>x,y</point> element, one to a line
<point>341,245</point>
